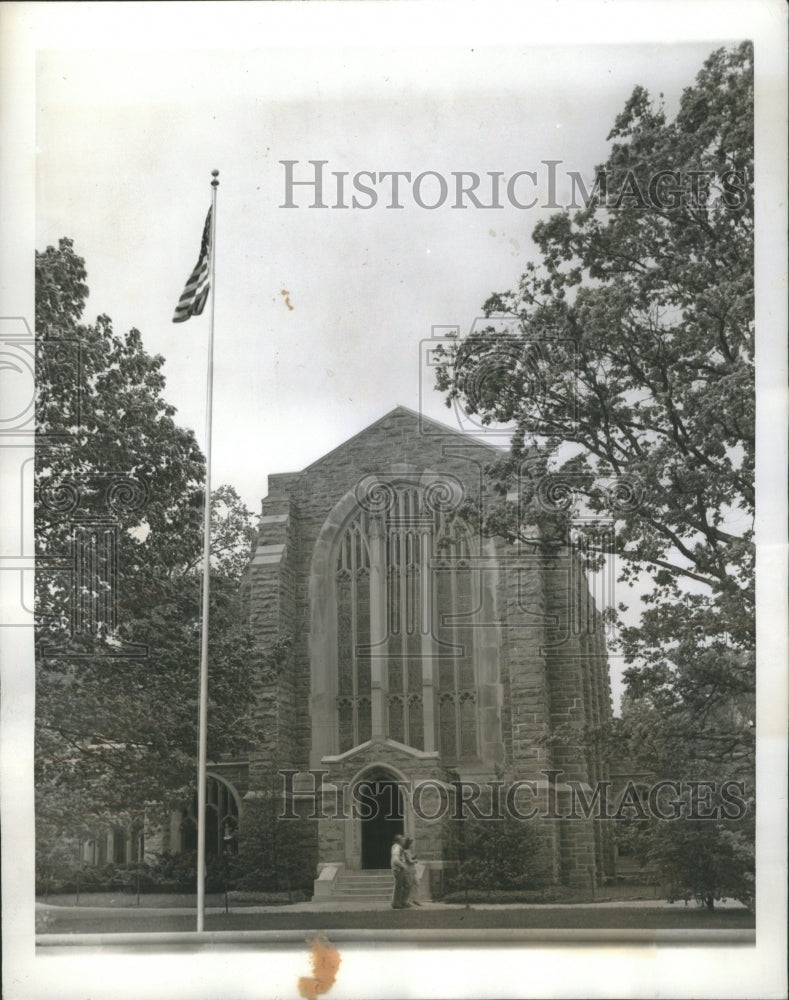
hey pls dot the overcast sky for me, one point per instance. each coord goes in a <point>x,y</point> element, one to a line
<point>320,312</point>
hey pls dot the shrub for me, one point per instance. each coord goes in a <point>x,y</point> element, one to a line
<point>239,897</point>
<point>505,854</point>
<point>274,854</point>
<point>549,894</point>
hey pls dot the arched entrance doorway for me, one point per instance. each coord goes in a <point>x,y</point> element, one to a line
<point>221,820</point>
<point>384,802</point>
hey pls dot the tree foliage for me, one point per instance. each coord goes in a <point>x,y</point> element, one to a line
<point>119,499</point>
<point>623,361</point>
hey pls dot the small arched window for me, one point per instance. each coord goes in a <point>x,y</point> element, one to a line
<point>221,815</point>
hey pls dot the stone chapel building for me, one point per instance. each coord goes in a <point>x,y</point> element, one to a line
<point>415,655</point>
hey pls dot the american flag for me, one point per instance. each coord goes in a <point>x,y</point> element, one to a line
<point>195,293</point>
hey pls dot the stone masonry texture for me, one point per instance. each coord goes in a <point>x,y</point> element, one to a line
<point>539,650</point>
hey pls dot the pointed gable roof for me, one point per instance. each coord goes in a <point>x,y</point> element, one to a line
<point>407,419</point>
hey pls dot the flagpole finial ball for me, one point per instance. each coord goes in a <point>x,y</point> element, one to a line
<point>215,182</point>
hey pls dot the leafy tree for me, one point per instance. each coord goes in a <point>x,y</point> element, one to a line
<point>119,497</point>
<point>624,362</point>
<point>695,858</point>
<point>707,863</point>
<point>703,847</point>
<point>58,856</point>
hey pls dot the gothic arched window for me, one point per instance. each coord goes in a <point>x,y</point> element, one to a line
<point>405,600</point>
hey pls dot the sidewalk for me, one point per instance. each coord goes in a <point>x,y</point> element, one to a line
<point>643,921</point>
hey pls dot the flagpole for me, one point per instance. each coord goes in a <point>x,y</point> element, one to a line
<point>203,701</point>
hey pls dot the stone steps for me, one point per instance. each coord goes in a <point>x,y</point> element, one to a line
<point>375,884</point>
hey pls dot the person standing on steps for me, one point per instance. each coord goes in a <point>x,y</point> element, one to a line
<point>400,875</point>
<point>410,868</point>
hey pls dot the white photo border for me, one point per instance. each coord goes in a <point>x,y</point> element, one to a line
<point>606,970</point>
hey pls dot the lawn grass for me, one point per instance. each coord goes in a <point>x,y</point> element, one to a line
<point>544,917</point>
